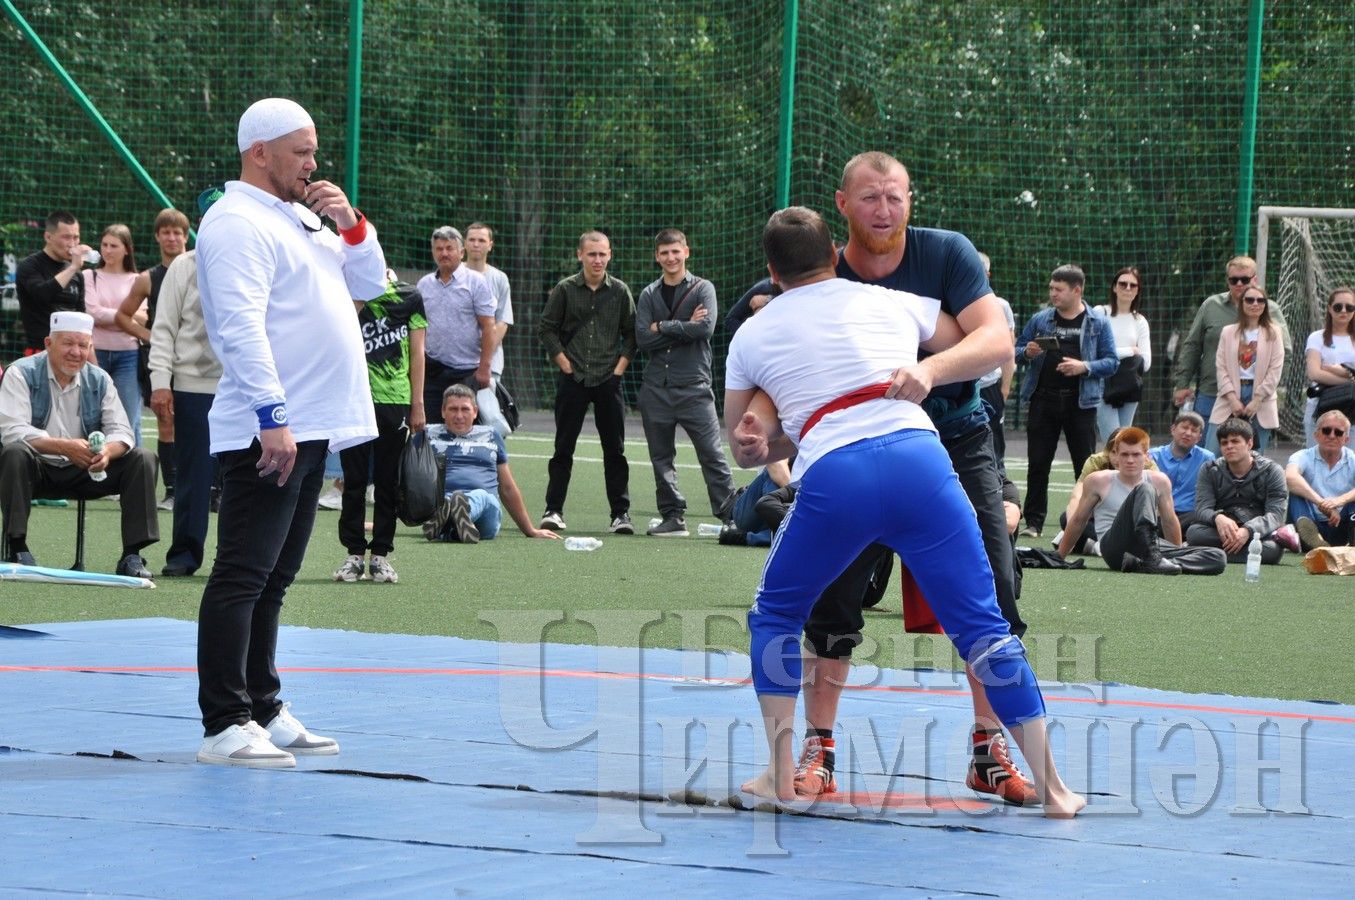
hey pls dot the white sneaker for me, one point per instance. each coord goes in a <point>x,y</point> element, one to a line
<point>382,571</point>
<point>331,499</point>
<point>350,571</point>
<point>1092,547</point>
<point>552,521</point>
<point>1058,538</point>
<point>241,745</point>
<point>167,504</point>
<point>290,735</point>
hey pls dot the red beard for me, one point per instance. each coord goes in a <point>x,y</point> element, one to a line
<point>873,243</point>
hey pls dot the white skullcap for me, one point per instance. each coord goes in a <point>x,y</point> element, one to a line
<point>68,320</point>
<point>269,119</point>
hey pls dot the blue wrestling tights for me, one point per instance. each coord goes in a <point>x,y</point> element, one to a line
<point>898,490</point>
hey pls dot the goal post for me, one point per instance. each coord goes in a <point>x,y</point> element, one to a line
<point>1315,252</point>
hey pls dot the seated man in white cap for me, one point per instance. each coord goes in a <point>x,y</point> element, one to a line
<point>50,404</point>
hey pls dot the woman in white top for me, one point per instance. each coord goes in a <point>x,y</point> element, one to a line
<point>105,288</point>
<point>1327,349</point>
<point>1130,330</point>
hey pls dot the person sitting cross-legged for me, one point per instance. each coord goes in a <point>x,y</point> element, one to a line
<point>49,405</point>
<point>1239,495</point>
<point>1133,512</point>
<point>476,477</point>
<point>1321,484</point>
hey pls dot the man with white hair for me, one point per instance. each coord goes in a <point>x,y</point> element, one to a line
<point>277,293</point>
<point>1321,482</point>
<point>50,404</point>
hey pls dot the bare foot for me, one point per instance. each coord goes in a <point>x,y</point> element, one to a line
<point>765,785</point>
<point>1062,803</point>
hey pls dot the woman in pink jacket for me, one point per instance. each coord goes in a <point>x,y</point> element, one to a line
<point>1249,362</point>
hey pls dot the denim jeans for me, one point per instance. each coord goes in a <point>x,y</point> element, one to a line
<point>121,367</point>
<point>485,512</point>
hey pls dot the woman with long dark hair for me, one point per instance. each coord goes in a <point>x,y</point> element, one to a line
<point>1327,349</point>
<point>1130,330</point>
<point>105,288</point>
<point>1249,362</point>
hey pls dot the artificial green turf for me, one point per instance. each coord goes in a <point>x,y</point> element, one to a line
<point>1281,638</point>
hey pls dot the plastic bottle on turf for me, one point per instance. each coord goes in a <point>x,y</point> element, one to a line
<point>1253,573</point>
<point>582,543</point>
<point>706,529</point>
<point>96,445</point>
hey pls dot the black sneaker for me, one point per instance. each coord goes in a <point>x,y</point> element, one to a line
<point>621,525</point>
<point>1158,566</point>
<point>733,536</point>
<point>434,528</point>
<point>672,526</point>
<point>133,566</point>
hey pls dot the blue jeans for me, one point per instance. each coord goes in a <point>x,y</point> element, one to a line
<point>1262,439</point>
<point>1204,405</point>
<point>485,512</point>
<point>121,367</point>
<point>1109,418</point>
<point>193,482</point>
<point>1341,534</point>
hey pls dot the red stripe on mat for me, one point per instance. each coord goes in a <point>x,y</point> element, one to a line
<point>575,673</point>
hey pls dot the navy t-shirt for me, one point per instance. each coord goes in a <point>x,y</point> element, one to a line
<point>943,265</point>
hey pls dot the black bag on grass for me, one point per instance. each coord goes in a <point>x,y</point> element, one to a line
<point>417,493</point>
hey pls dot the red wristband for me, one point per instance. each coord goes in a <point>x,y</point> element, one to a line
<point>358,233</point>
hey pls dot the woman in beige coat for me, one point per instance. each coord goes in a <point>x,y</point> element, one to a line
<point>1250,360</point>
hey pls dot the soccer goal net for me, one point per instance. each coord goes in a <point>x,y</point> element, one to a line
<point>1316,253</point>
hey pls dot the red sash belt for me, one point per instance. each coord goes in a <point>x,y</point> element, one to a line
<point>858,396</point>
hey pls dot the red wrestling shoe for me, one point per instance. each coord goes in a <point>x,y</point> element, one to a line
<point>814,774</point>
<point>991,771</point>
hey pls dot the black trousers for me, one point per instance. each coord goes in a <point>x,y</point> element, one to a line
<point>262,533</point>
<point>25,475</point>
<point>1053,414</point>
<point>1136,523</point>
<point>436,379</point>
<point>992,395</point>
<point>572,400</point>
<point>381,458</point>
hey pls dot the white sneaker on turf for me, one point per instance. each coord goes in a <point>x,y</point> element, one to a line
<point>382,571</point>
<point>290,735</point>
<point>241,745</point>
<point>350,571</point>
<point>552,521</point>
<point>331,499</point>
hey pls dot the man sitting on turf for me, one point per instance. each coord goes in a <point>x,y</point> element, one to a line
<point>840,359</point>
<point>1239,495</point>
<point>1321,484</point>
<point>1133,508</point>
<point>477,476</point>
<point>1181,461</point>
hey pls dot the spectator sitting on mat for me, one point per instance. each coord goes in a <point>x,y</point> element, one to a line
<point>749,527</point>
<point>1181,461</point>
<point>476,470</point>
<point>1239,495</point>
<point>1321,483</point>
<point>49,404</point>
<point>1133,511</point>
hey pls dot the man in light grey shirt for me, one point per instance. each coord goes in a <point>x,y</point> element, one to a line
<point>49,405</point>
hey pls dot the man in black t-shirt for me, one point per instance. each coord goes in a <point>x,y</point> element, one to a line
<point>49,281</point>
<point>1070,351</point>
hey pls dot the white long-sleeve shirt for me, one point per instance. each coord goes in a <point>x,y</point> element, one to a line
<point>1130,331</point>
<point>277,301</point>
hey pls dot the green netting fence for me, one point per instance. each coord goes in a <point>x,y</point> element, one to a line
<point>1103,132</point>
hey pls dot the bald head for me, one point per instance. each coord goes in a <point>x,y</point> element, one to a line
<point>871,161</point>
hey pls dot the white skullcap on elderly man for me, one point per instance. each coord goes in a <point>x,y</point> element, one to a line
<point>69,320</point>
<point>271,118</point>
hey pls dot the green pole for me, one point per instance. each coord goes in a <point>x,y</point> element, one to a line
<point>790,35</point>
<point>86,104</point>
<point>354,97</point>
<point>1247,153</point>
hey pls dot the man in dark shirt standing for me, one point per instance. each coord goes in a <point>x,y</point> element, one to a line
<point>1071,352</point>
<point>674,320</point>
<point>588,328</point>
<point>49,281</point>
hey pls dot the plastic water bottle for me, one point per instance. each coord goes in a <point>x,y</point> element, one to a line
<point>586,544</point>
<point>706,529</point>
<point>92,257</point>
<point>97,441</point>
<point>1253,573</point>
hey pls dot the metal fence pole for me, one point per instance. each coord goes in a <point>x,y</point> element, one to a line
<point>790,35</point>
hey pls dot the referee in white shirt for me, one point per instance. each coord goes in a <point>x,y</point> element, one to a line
<point>277,290</point>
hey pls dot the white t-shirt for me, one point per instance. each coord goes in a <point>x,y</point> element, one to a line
<point>1247,350</point>
<point>822,341</point>
<point>278,304</point>
<point>1342,351</point>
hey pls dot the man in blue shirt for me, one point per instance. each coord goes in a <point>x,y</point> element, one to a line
<point>1181,461</point>
<point>1321,482</point>
<point>476,477</point>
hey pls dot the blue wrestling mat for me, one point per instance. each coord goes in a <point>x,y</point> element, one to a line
<point>550,770</point>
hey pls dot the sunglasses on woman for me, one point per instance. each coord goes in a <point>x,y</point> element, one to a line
<point>1127,285</point>
<point>1255,301</point>
<point>1343,307</point>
